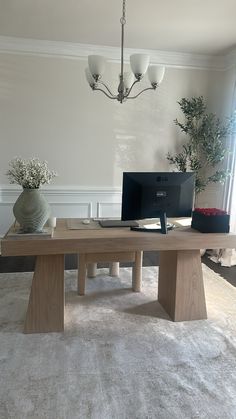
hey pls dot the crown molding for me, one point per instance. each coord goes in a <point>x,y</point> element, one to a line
<point>230,60</point>
<point>69,50</point>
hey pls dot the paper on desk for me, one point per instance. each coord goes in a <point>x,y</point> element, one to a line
<point>152,226</point>
<point>185,222</point>
<point>156,225</point>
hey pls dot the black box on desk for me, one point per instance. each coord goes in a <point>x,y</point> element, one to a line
<point>210,223</point>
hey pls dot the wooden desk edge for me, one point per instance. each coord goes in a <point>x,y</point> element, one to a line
<point>114,239</point>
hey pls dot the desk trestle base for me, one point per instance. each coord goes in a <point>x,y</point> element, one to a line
<point>180,288</point>
<point>45,311</point>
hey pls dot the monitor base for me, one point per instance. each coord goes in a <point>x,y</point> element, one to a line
<point>163,229</point>
<point>151,230</point>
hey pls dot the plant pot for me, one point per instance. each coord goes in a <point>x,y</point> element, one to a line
<point>31,211</point>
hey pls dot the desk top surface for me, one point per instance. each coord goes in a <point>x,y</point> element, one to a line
<point>65,241</point>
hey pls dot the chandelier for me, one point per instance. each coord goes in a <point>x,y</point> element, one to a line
<point>127,80</point>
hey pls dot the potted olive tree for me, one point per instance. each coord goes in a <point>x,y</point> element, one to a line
<point>205,149</point>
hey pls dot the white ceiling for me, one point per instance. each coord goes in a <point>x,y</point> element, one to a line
<point>192,26</point>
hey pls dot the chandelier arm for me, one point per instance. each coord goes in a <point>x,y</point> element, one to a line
<point>144,90</point>
<point>101,82</point>
<point>128,93</point>
<point>105,93</point>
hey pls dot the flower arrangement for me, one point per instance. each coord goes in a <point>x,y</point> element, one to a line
<point>210,211</point>
<point>210,220</point>
<point>30,174</point>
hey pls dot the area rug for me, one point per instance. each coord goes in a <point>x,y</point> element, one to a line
<point>120,355</point>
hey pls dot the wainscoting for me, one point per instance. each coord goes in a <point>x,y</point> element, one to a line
<point>65,201</point>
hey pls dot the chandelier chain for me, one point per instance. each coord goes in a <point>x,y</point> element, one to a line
<point>123,19</point>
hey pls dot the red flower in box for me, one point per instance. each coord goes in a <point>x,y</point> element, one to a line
<point>210,211</point>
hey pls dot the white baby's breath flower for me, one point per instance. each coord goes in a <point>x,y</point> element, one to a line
<point>30,174</point>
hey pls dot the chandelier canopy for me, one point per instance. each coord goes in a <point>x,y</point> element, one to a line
<point>139,65</point>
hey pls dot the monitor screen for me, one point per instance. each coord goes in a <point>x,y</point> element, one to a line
<point>150,194</point>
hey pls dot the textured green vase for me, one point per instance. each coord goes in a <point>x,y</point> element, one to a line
<point>31,210</point>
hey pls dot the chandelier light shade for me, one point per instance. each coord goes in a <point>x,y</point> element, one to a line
<point>128,79</point>
<point>139,64</point>
<point>89,77</point>
<point>97,65</point>
<point>156,74</point>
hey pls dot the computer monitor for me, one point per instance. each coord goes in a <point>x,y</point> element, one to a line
<point>157,195</point>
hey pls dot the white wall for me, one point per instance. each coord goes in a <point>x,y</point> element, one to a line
<point>47,110</point>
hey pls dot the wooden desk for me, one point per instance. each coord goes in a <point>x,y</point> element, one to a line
<point>180,289</point>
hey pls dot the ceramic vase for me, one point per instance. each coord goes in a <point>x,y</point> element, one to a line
<point>31,211</point>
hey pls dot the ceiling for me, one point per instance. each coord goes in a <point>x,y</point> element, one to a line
<point>191,26</point>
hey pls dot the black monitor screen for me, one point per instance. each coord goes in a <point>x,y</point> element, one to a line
<point>149,194</point>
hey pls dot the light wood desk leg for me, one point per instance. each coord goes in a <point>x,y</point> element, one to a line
<point>180,285</point>
<point>45,311</point>
<point>91,270</point>
<point>81,273</point>
<point>137,272</point>
<point>114,269</point>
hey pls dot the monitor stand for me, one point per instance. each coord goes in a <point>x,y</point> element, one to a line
<point>162,230</point>
<point>163,223</point>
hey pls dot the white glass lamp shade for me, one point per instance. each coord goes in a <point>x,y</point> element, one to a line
<point>128,80</point>
<point>156,74</point>
<point>139,63</point>
<point>89,77</point>
<point>96,65</point>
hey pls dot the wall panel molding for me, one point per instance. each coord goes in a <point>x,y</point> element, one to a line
<point>106,208</point>
<point>69,50</point>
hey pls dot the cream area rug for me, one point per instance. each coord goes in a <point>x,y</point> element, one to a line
<point>120,356</point>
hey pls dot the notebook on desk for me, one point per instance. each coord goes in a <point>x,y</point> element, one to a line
<point>117,223</point>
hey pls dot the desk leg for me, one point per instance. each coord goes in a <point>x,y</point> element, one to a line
<point>45,311</point>
<point>137,272</point>
<point>180,285</point>
<point>114,268</point>
<point>82,271</point>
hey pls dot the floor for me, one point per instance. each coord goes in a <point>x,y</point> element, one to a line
<point>120,356</point>
<point>26,264</point>
<point>227,273</point>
